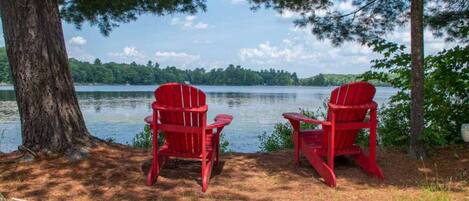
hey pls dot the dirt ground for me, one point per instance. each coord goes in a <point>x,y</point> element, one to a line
<point>114,172</point>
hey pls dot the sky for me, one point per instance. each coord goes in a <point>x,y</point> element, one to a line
<point>227,33</point>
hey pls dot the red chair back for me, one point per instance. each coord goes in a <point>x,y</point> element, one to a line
<point>178,95</point>
<point>356,93</point>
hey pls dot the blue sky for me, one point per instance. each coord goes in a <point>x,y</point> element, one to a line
<point>228,33</point>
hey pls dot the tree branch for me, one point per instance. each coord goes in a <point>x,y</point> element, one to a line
<point>358,10</point>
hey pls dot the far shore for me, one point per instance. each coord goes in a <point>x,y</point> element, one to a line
<point>101,84</point>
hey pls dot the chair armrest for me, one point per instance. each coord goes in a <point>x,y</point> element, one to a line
<point>157,106</point>
<point>221,120</point>
<point>301,118</point>
<point>149,119</point>
<point>334,107</point>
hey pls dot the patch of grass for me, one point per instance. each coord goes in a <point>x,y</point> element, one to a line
<point>435,196</point>
<point>435,189</point>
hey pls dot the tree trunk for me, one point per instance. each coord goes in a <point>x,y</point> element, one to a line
<point>417,79</point>
<point>51,120</point>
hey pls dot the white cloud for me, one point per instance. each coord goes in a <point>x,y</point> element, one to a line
<point>77,40</point>
<point>76,49</point>
<point>201,25</point>
<point>238,2</point>
<point>182,56</point>
<point>164,58</point>
<point>267,53</point>
<point>346,6</point>
<point>301,52</point>
<point>205,41</point>
<point>80,54</point>
<point>180,59</point>
<point>189,23</point>
<point>432,44</point>
<point>287,15</point>
<point>190,18</point>
<point>129,54</point>
<point>175,21</point>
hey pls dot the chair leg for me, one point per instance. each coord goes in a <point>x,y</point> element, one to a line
<point>368,163</point>
<point>320,166</point>
<point>217,150</point>
<point>296,141</point>
<point>206,174</point>
<point>155,169</point>
<point>368,166</point>
<point>151,176</point>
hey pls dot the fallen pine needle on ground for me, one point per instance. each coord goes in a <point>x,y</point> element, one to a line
<point>116,172</point>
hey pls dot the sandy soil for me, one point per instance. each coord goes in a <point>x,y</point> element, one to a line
<point>114,172</point>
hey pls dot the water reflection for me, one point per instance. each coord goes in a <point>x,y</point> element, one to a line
<point>7,96</point>
<point>117,111</point>
<point>235,100</point>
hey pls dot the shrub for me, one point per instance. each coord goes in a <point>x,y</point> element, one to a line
<point>446,89</point>
<point>224,145</point>
<point>144,139</point>
<point>281,137</point>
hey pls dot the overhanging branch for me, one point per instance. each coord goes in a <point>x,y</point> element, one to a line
<point>358,10</point>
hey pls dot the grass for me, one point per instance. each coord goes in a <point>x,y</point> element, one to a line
<point>436,188</point>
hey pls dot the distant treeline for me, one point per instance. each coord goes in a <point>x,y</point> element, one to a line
<point>151,73</point>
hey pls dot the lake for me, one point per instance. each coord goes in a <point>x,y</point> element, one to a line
<point>117,111</point>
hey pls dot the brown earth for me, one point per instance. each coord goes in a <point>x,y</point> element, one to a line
<point>114,172</point>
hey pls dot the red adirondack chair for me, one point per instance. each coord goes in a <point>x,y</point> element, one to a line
<point>180,112</point>
<point>347,108</point>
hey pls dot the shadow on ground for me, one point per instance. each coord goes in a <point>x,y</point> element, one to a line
<point>116,172</point>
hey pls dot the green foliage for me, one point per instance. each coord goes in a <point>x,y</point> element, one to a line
<point>143,139</point>
<point>5,75</point>
<point>335,80</point>
<point>281,137</point>
<point>370,19</point>
<point>224,144</point>
<point>446,94</point>
<point>108,14</point>
<point>113,73</point>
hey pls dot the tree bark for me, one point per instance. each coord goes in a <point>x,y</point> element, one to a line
<point>416,149</point>
<point>51,120</point>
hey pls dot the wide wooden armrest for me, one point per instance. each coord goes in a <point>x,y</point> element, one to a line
<point>335,107</point>
<point>149,119</point>
<point>221,120</point>
<point>157,106</point>
<point>302,118</point>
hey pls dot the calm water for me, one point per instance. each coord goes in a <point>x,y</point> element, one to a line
<point>117,111</point>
